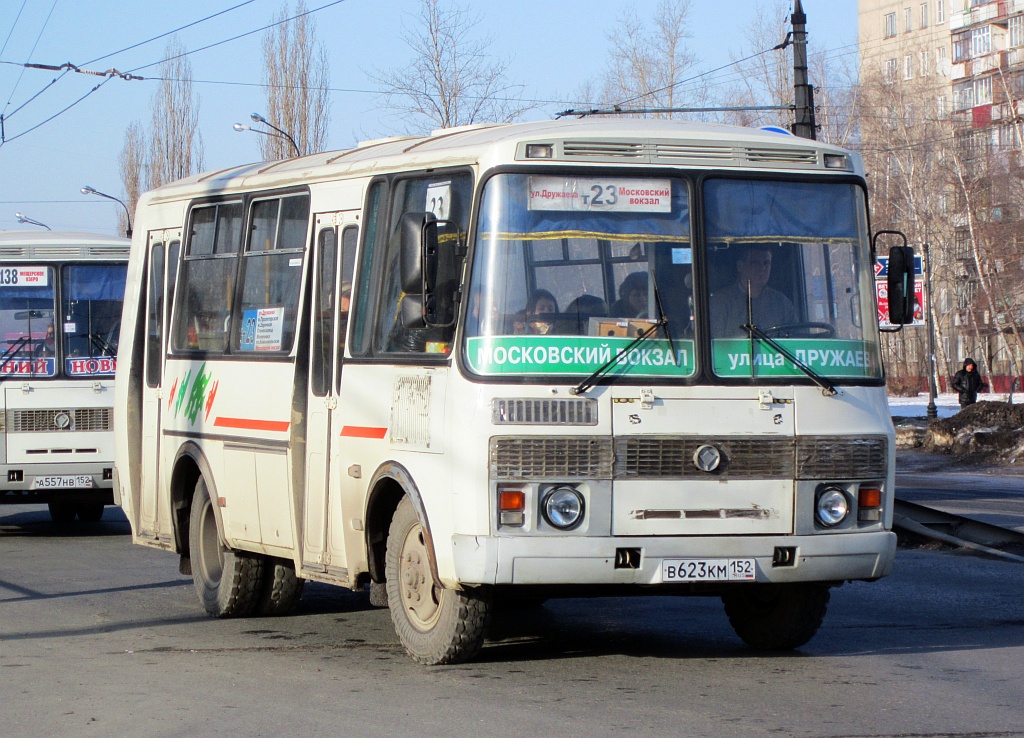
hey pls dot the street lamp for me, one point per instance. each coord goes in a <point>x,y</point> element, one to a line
<point>257,118</point>
<point>87,190</point>
<point>931,411</point>
<point>25,219</point>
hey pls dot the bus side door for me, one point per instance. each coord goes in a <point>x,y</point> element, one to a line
<point>335,237</point>
<point>164,249</point>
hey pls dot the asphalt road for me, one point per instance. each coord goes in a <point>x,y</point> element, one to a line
<point>101,638</point>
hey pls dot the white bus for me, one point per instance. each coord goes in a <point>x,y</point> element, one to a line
<point>513,361</point>
<point>61,296</point>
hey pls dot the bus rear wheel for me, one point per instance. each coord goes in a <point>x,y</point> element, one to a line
<point>436,625</point>
<point>62,512</point>
<point>776,617</point>
<point>227,582</point>
<point>280,590</point>
<point>90,512</point>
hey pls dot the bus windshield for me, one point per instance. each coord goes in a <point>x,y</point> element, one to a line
<point>91,299</point>
<point>26,320</point>
<point>569,270</point>
<point>561,277</point>
<point>791,259</point>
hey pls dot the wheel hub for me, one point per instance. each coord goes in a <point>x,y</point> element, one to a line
<point>421,597</point>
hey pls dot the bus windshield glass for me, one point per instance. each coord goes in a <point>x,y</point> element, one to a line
<point>791,259</point>
<point>562,277</point>
<point>91,298</point>
<point>26,321</point>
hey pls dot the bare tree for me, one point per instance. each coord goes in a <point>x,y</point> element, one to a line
<point>452,80</point>
<point>296,78</point>
<point>132,164</point>
<point>176,146</point>
<point>650,58</point>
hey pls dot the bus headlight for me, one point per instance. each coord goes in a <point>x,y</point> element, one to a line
<point>831,506</point>
<point>563,507</point>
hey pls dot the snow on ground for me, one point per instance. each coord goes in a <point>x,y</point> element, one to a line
<point>946,403</point>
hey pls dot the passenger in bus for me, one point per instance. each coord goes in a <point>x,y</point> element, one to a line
<point>632,302</point>
<point>47,344</point>
<point>750,298</point>
<point>540,314</point>
<point>583,308</point>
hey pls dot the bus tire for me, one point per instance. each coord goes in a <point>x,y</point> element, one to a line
<point>776,617</point>
<point>62,512</point>
<point>227,582</point>
<point>436,625</point>
<point>281,588</point>
<point>90,512</point>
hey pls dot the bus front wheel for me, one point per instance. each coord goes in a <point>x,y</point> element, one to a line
<point>436,625</point>
<point>776,617</point>
<point>227,582</point>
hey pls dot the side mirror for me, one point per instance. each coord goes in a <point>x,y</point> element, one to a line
<point>412,230</point>
<point>901,285</point>
<point>900,280</point>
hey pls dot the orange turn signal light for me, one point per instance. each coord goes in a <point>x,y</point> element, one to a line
<point>869,497</point>
<point>512,499</point>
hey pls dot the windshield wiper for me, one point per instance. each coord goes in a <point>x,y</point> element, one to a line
<point>827,388</point>
<point>17,345</point>
<point>590,381</point>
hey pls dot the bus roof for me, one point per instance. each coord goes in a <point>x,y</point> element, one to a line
<point>594,141</point>
<point>61,245</point>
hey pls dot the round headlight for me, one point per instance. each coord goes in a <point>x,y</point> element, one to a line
<point>563,507</point>
<point>833,506</point>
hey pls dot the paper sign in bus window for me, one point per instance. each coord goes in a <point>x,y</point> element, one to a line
<point>612,194</point>
<point>262,329</point>
<point>24,276</point>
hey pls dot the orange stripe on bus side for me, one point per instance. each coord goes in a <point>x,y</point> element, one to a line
<point>359,431</point>
<point>250,424</point>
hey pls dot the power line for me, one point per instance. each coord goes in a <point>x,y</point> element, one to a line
<point>130,75</point>
<point>32,51</point>
<point>168,33</point>
<point>55,115</point>
<point>241,35</point>
<point>13,26</point>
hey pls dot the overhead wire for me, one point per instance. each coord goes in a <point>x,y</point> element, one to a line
<point>13,26</point>
<point>17,82</point>
<point>130,74</point>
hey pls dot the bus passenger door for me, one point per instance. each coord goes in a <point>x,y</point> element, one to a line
<point>334,259</point>
<point>164,248</point>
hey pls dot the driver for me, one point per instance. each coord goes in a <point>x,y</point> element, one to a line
<point>767,306</point>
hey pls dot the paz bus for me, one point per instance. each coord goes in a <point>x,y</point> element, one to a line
<point>513,362</point>
<point>60,316</point>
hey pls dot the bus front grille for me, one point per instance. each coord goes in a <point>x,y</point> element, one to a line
<point>546,457</point>
<point>654,457</point>
<point>843,457</point>
<point>60,419</point>
<point>826,458</point>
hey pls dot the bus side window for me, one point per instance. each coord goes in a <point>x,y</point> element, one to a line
<point>155,319</point>
<point>207,271</point>
<point>402,319</point>
<point>324,289</point>
<point>349,239</point>
<point>272,275</point>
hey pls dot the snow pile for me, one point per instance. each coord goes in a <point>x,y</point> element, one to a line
<point>983,432</point>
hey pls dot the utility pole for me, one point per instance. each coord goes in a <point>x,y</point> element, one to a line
<point>931,411</point>
<point>804,125</point>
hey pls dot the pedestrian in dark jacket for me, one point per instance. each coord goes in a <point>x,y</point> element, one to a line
<point>968,383</point>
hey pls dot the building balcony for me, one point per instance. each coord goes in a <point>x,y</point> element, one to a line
<point>981,14</point>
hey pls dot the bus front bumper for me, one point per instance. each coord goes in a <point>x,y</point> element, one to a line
<point>639,561</point>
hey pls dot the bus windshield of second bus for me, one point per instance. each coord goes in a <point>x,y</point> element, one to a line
<point>81,331</point>
<point>570,269</point>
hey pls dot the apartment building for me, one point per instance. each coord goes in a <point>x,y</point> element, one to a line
<point>959,68</point>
